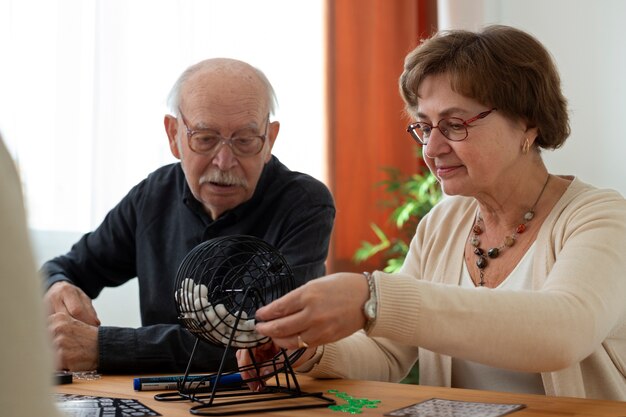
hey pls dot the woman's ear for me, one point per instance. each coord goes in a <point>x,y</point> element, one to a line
<point>531,134</point>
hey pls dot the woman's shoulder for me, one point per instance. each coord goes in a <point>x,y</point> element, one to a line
<point>580,192</point>
<point>587,202</point>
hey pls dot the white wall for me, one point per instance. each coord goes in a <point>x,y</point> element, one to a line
<point>586,39</point>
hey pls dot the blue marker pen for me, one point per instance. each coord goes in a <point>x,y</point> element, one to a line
<point>168,383</point>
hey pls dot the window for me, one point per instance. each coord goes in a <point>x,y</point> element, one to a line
<point>84,84</point>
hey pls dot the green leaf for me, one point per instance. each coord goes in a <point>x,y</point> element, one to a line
<point>394,265</point>
<point>412,196</point>
<point>367,250</point>
<point>405,213</point>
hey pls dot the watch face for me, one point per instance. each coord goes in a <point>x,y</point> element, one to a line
<point>370,309</point>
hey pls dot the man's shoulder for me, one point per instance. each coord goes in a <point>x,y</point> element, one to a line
<point>164,181</point>
<point>170,172</point>
<point>166,175</point>
<point>294,184</point>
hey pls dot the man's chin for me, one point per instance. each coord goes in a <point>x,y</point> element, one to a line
<point>216,208</point>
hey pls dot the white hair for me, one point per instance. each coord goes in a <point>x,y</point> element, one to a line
<point>173,98</point>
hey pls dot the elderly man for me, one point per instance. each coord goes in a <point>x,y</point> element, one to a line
<point>227,182</point>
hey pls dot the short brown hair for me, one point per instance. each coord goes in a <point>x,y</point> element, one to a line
<point>500,67</point>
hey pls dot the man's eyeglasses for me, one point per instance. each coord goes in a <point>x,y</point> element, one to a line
<point>452,128</point>
<point>206,142</point>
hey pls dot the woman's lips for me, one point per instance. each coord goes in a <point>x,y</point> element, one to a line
<point>447,170</point>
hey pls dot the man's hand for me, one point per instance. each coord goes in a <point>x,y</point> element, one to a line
<point>75,343</point>
<point>255,377</point>
<point>64,297</point>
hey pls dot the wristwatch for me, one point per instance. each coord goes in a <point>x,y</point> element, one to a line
<point>371,305</point>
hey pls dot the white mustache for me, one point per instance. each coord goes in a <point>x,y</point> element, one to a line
<point>223,178</point>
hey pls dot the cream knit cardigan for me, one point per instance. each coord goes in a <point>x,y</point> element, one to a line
<point>571,327</point>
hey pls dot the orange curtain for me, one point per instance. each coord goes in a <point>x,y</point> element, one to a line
<point>367,43</point>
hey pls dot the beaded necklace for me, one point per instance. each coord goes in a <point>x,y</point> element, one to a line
<point>492,253</point>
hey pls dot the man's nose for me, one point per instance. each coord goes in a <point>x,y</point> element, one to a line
<point>224,157</point>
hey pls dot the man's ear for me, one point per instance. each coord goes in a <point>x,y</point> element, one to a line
<point>272,133</point>
<point>171,128</point>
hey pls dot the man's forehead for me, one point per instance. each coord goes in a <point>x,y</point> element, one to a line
<point>224,88</point>
<point>226,75</point>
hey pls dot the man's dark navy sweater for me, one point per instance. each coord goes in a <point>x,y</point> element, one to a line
<point>156,224</point>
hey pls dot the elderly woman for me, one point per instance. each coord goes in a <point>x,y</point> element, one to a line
<point>515,282</point>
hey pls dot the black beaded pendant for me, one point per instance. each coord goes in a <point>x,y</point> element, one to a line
<point>509,241</point>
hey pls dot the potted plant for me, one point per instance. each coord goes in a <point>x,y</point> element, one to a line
<point>412,196</point>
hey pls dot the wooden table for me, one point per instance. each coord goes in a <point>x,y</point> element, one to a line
<point>393,396</point>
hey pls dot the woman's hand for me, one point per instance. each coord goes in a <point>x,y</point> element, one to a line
<point>322,311</point>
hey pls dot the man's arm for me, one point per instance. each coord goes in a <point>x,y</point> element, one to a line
<point>306,241</point>
<point>98,259</point>
<point>303,233</point>
<point>102,258</point>
<point>162,348</point>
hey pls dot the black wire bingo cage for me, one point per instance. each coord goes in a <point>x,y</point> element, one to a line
<point>219,286</point>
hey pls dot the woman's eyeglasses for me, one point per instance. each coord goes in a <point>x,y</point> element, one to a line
<point>452,128</point>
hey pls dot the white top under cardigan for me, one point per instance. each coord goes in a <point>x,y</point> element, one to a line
<point>474,375</point>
